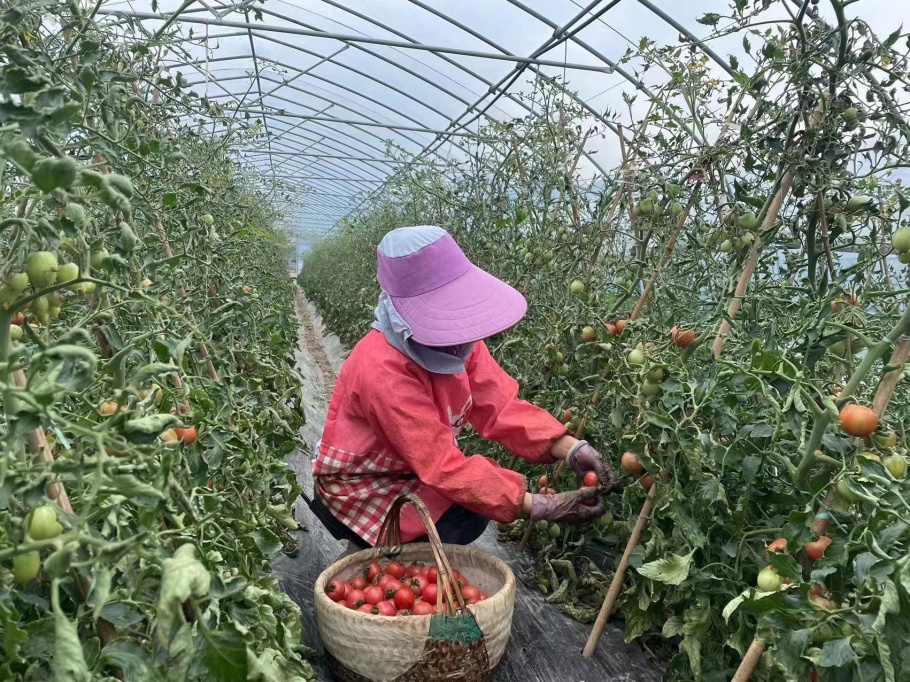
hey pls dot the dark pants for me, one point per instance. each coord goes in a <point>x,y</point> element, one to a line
<point>458,526</point>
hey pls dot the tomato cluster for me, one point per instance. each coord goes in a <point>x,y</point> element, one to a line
<point>399,590</point>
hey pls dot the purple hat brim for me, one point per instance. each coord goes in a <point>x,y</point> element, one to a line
<point>470,308</point>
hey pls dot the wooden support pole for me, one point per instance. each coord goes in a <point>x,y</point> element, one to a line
<point>750,661</point>
<point>619,575</point>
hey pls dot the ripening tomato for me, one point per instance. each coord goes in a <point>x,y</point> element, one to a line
<point>18,319</point>
<point>611,329</point>
<point>646,481</point>
<point>542,482</point>
<point>359,583</point>
<point>386,608</point>
<point>423,608</point>
<point>547,491</point>
<point>373,571</point>
<point>621,326</point>
<point>396,570</point>
<point>566,417</point>
<point>858,420</point>
<point>418,584</point>
<point>336,590</point>
<point>374,594</point>
<point>415,569</point>
<point>430,593</point>
<point>590,479</point>
<point>432,574</point>
<point>630,464</point>
<point>779,546</point>
<point>187,435</point>
<point>404,598</point>
<point>815,550</point>
<point>355,598</point>
<point>682,337</point>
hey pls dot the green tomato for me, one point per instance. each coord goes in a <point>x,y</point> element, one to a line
<point>858,201</point>
<point>605,520</point>
<point>637,357</point>
<point>896,465</point>
<point>747,221</point>
<point>646,207</point>
<point>676,209</point>
<point>542,525</point>
<point>15,332</point>
<point>18,282</point>
<point>26,566</point>
<point>555,530</point>
<point>650,389</point>
<point>42,269</point>
<point>845,492</point>
<point>769,580</point>
<point>726,246</point>
<point>851,114</point>
<point>68,272</point>
<point>98,257</point>
<point>901,240</point>
<point>577,287</point>
<point>208,219</point>
<point>656,375</point>
<point>904,257</point>
<point>42,523</point>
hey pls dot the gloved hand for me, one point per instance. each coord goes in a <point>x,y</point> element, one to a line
<point>570,507</point>
<point>582,458</point>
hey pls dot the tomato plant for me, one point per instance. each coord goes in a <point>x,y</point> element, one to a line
<point>136,543</point>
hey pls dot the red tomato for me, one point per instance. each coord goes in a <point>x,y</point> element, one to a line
<point>386,608</point>
<point>366,608</point>
<point>418,584</point>
<point>470,592</point>
<point>542,481</point>
<point>187,435</point>
<point>484,595</point>
<point>384,579</point>
<point>472,601</point>
<point>858,420</point>
<point>423,608</point>
<point>779,546</point>
<point>359,583</point>
<point>396,570</point>
<point>374,594</point>
<point>590,479</point>
<point>429,593</point>
<point>415,569</point>
<point>404,598</point>
<point>336,590</point>
<point>373,571</point>
<point>391,587</point>
<point>18,318</point>
<point>459,578</point>
<point>816,550</point>
<point>431,574</point>
<point>355,599</point>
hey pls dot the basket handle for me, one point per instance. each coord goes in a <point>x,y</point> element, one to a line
<point>390,537</point>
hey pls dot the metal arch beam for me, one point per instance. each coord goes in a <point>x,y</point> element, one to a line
<point>301,166</point>
<point>359,39</point>
<point>482,79</point>
<point>344,166</point>
<point>348,158</point>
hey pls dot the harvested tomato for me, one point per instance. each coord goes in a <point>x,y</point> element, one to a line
<point>187,435</point>
<point>384,580</point>
<point>359,583</point>
<point>373,571</point>
<point>336,590</point>
<point>816,550</point>
<point>366,608</point>
<point>392,586</point>
<point>355,599</point>
<point>542,482</point>
<point>547,491</point>
<point>590,479</point>
<point>483,596</point>
<point>404,598</point>
<point>459,578</point>
<point>374,594</point>
<point>402,612</point>
<point>858,420</point>
<point>423,608</point>
<point>418,584</point>
<point>470,592</point>
<point>630,464</point>
<point>432,574</point>
<point>430,593</point>
<point>386,608</point>
<point>415,569</point>
<point>396,570</point>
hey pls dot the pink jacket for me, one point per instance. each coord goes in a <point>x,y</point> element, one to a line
<point>393,427</point>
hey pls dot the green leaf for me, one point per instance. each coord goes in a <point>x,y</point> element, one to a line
<point>150,371</point>
<point>836,653</point>
<point>131,658</point>
<point>100,592</point>
<point>121,614</point>
<point>69,661</point>
<point>147,429</point>
<point>170,199</point>
<point>790,647</point>
<point>267,542</point>
<point>672,570</point>
<point>66,368</point>
<point>139,492</point>
<point>182,576</point>
<point>225,653</point>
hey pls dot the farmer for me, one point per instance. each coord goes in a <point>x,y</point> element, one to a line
<point>411,385</point>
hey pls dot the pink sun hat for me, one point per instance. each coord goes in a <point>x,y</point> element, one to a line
<point>444,298</point>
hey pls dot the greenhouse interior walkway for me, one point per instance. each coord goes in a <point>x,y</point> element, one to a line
<point>545,645</point>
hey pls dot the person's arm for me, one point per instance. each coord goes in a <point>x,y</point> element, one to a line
<point>498,414</point>
<point>401,409</point>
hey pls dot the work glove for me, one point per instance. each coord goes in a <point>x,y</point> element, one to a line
<point>582,458</point>
<point>575,506</point>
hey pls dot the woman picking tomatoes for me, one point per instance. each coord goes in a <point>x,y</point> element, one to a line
<point>409,388</point>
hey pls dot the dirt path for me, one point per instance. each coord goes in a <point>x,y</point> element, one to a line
<point>319,359</point>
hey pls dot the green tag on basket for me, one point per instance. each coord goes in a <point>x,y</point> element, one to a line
<point>447,628</point>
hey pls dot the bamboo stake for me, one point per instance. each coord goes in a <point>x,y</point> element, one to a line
<point>203,350</point>
<point>750,661</point>
<point>619,576</point>
<point>745,277</point>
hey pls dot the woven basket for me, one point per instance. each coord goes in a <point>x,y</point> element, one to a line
<point>462,645</point>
